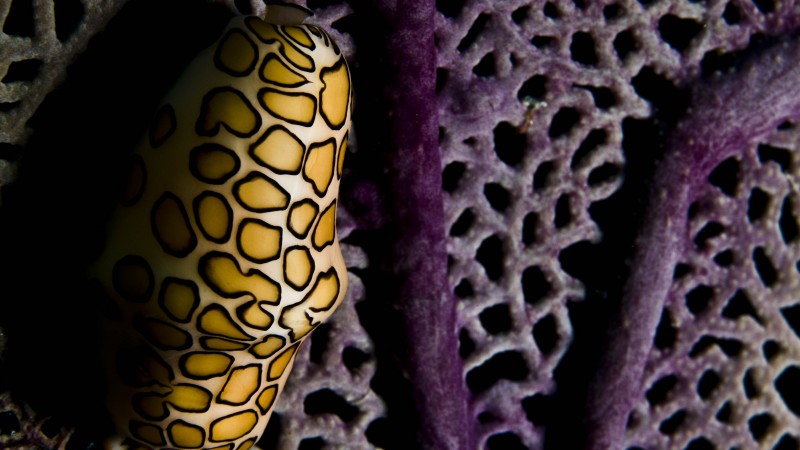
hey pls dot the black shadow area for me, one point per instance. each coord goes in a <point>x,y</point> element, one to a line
<point>52,219</point>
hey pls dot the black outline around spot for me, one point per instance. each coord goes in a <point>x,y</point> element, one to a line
<point>180,252</point>
<point>313,267</point>
<point>215,307</point>
<point>172,439</point>
<point>292,348</point>
<point>187,283</point>
<point>215,130</point>
<point>204,343</point>
<point>334,164</point>
<point>135,425</point>
<point>261,102</point>
<point>252,150</point>
<point>187,374</point>
<point>299,50</point>
<point>269,81</point>
<point>211,427</point>
<point>140,325</point>
<point>218,61</point>
<point>334,68</point>
<point>263,224</point>
<point>330,273</point>
<point>136,160</point>
<point>318,220</point>
<point>301,304</point>
<point>248,23</point>
<point>272,403</point>
<point>252,442</point>
<point>282,30</point>
<point>342,149</point>
<point>170,111</point>
<point>213,147</point>
<point>310,224</point>
<point>230,374</point>
<point>257,356</point>
<point>137,261</point>
<point>281,43</point>
<point>248,178</point>
<point>196,210</point>
<point>326,39</point>
<point>313,29</point>
<point>240,310</point>
<point>208,393</point>
<point>136,403</point>
<point>216,254</point>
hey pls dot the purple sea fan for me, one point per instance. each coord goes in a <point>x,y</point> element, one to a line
<point>504,154</point>
<point>730,262</point>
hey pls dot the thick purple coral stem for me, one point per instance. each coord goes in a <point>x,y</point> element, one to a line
<point>727,114</point>
<point>420,252</point>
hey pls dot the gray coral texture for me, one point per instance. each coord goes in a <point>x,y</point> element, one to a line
<point>568,223</point>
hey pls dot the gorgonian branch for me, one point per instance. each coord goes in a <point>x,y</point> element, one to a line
<point>420,253</point>
<point>727,114</point>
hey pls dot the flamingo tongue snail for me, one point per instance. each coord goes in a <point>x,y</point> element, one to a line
<point>222,255</point>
